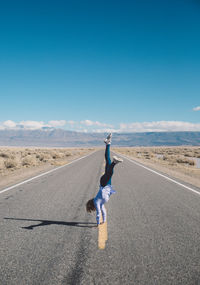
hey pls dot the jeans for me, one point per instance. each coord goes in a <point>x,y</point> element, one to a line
<point>106,178</point>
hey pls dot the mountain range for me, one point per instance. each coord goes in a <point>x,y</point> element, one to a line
<point>63,138</point>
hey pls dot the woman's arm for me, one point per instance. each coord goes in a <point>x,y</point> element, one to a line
<point>98,212</point>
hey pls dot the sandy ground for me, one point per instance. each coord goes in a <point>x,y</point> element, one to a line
<point>182,171</point>
<point>30,162</point>
<point>20,172</point>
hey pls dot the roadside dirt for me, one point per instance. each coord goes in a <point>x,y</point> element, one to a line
<point>168,160</point>
<point>23,169</point>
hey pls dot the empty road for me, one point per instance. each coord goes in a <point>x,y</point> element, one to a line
<point>152,232</point>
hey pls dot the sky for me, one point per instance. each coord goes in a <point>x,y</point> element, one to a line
<point>100,66</point>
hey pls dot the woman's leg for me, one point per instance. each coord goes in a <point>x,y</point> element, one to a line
<point>107,157</point>
<point>106,178</point>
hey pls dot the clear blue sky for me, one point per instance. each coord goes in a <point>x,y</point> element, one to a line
<point>113,62</point>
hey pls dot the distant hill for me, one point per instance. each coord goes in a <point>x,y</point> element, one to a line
<point>62,138</point>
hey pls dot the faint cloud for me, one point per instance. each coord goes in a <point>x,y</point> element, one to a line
<point>31,125</point>
<point>9,124</point>
<point>88,126</point>
<point>96,123</point>
<point>60,123</point>
<point>87,123</point>
<point>105,130</point>
<point>80,126</point>
<point>196,108</point>
<point>71,122</point>
<point>159,126</point>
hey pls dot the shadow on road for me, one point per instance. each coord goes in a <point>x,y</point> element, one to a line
<point>48,222</point>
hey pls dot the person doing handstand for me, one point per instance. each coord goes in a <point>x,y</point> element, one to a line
<point>105,189</point>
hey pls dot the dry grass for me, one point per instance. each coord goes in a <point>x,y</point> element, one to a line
<point>177,161</point>
<point>22,160</point>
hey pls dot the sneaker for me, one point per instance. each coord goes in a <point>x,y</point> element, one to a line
<point>108,139</point>
<point>117,159</point>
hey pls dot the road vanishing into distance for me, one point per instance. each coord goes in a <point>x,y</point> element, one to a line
<point>152,232</point>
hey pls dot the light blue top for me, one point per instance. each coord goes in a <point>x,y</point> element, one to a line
<point>104,193</point>
<point>101,198</point>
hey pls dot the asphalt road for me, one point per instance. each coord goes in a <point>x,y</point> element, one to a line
<point>46,236</point>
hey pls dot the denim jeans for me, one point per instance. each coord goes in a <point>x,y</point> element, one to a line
<point>106,178</point>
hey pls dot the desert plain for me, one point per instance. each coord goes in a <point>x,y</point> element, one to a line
<point>181,162</point>
<point>19,163</point>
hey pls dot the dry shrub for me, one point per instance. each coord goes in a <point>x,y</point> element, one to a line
<point>38,156</point>
<point>4,155</point>
<point>197,153</point>
<point>10,163</point>
<point>189,154</point>
<point>2,164</point>
<point>24,154</point>
<point>192,163</point>
<point>178,159</point>
<point>56,155</point>
<point>170,152</point>
<point>29,160</point>
<point>44,157</point>
<point>147,157</point>
<point>185,161</point>
<point>13,158</point>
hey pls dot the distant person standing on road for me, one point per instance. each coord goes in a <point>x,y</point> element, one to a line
<point>105,190</point>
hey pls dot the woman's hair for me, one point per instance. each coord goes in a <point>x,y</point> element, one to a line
<point>90,207</point>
